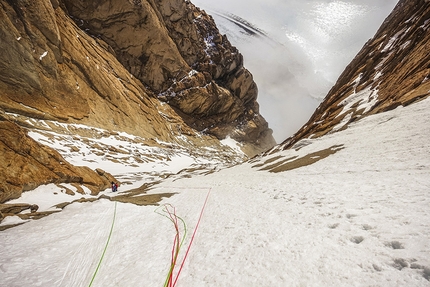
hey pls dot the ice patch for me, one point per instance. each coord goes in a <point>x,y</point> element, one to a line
<point>228,141</point>
<point>43,55</point>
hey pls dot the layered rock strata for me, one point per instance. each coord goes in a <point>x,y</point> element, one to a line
<point>108,64</point>
<point>175,49</point>
<point>27,164</point>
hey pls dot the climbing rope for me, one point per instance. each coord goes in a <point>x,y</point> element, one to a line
<point>104,251</point>
<point>192,237</point>
<point>170,213</point>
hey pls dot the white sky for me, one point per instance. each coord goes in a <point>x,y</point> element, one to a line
<point>315,41</point>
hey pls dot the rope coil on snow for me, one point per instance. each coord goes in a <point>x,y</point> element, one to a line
<point>176,245</point>
<point>171,211</point>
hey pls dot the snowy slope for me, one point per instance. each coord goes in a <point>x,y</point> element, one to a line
<point>358,216</point>
<point>135,162</point>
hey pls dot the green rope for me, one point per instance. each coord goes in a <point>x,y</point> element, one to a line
<point>172,265</point>
<point>104,251</point>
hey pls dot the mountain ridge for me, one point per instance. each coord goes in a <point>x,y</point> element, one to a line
<point>344,203</point>
<point>393,67</point>
<point>146,79</point>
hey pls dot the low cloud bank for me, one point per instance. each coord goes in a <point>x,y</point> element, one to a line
<point>308,45</point>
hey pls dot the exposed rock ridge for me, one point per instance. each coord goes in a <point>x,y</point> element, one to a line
<point>27,164</point>
<point>392,69</point>
<point>176,50</point>
<point>52,69</point>
<point>108,67</point>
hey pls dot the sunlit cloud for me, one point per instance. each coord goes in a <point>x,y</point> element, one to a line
<point>308,44</point>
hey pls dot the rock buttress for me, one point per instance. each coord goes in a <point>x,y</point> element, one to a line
<point>392,69</point>
<point>175,49</point>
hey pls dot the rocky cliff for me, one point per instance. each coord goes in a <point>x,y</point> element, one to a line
<point>175,49</point>
<point>156,69</point>
<point>392,69</point>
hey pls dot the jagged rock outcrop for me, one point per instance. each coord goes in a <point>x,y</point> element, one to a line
<point>53,69</point>
<point>176,50</point>
<point>27,164</point>
<point>392,69</point>
<point>108,64</point>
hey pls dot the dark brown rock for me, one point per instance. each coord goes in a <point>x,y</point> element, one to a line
<point>34,208</point>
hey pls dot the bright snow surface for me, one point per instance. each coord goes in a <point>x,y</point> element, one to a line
<point>359,217</point>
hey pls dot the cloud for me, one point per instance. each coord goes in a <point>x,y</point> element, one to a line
<point>308,44</point>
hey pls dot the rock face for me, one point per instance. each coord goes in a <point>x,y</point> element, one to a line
<point>114,65</point>
<point>27,164</point>
<point>392,69</point>
<point>121,56</point>
<point>176,50</point>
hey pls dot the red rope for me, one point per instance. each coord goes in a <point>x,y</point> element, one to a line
<point>176,243</point>
<point>192,238</point>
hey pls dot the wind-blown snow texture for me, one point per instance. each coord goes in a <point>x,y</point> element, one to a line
<point>359,217</point>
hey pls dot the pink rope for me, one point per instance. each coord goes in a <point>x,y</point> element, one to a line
<point>192,238</point>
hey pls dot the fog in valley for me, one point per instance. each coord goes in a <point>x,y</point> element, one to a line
<point>296,49</point>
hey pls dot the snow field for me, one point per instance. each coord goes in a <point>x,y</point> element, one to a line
<point>359,217</point>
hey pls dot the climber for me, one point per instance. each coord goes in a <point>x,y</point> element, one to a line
<point>114,186</point>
